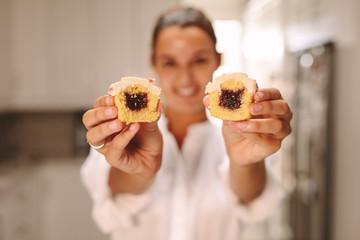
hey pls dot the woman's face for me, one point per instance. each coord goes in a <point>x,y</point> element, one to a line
<point>184,60</point>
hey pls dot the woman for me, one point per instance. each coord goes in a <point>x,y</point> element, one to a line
<point>180,178</point>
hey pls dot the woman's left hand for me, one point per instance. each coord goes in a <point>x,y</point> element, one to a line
<point>252,140</point>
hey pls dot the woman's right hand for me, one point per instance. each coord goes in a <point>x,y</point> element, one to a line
<point>134,149</point>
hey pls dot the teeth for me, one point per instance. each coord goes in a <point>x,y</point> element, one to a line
<point>186,91</point>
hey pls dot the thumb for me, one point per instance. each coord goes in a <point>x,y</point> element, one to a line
<point>150,128</point>
<point>151,137</point>
<point>124,137</point>
<point>230,132</point>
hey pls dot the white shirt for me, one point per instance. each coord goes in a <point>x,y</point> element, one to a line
<point>190,198</point>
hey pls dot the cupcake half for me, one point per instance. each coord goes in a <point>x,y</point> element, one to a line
<point>230,96</point>
<point>136,99</point>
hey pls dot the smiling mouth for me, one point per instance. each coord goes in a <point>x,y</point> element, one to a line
<point>186,92</point>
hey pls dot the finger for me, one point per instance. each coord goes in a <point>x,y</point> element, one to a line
<point>103,101</point>
<point>266,141</point>
<point>206,101</point>
<point>274,126</point>
<point>265,94</point>
<point>99,115</point>
<point>150,128</point>
<point>97,135</point>
<point>278,108</point>
<point>160,107</point>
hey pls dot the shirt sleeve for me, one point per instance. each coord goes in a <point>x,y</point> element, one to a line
<point>261,207</point>
<point>109,212</point>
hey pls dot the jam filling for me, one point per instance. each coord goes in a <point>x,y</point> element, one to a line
<point>230,99</point>
<point>137,101</point>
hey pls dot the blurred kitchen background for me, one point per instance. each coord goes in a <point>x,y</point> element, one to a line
<point>57,56</point>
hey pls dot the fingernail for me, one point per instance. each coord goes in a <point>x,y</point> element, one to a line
<point>109,111</point>
<point>257,107</point>
<point>206,101</point>
<point>241,125</point>
<point>132,127</point>
<point>114,125</point>
<point>108,100</point>
<point>260,95</point>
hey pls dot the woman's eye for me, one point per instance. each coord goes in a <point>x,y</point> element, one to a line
<point>169,64</point>
<point>200,61</point>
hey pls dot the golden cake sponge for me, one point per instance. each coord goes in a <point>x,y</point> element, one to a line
<point>136,99</point>
<point>230,96</point>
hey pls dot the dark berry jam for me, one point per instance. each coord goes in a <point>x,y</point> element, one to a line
<point>137,101</point>
<point>230,99</point>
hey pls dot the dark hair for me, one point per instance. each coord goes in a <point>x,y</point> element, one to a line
<point>183,17</point>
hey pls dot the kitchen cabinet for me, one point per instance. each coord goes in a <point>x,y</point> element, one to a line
<point>5,54</point>
<point>63,54</point>
<point>20,205</point>
<point>46,201</point>
<point>66,210</point>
